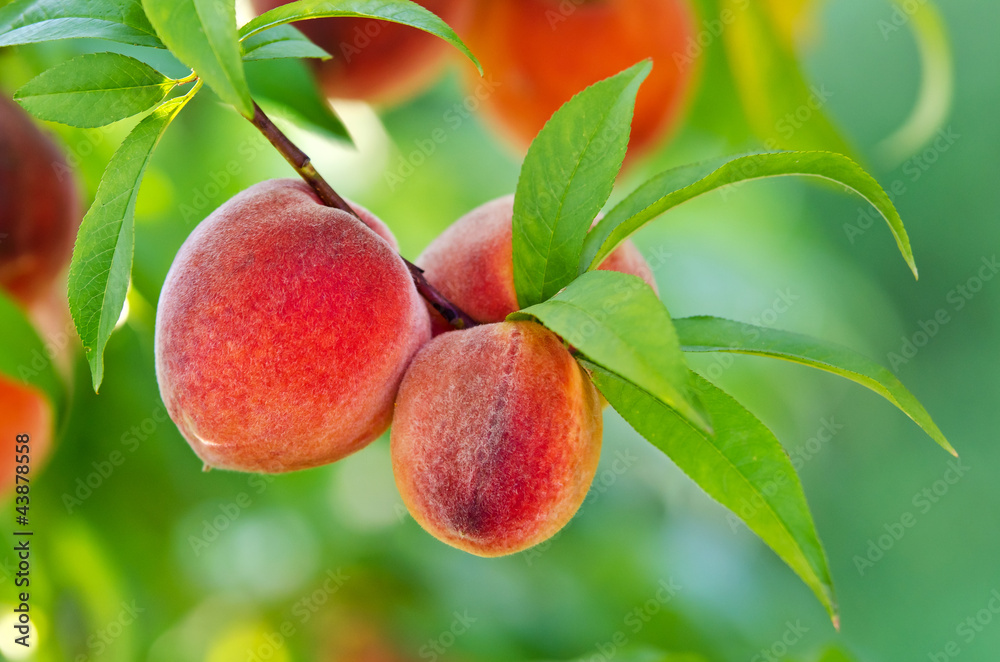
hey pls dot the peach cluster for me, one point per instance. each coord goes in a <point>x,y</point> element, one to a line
<point>289,334</point>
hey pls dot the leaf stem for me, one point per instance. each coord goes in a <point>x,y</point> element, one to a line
<point>302,164</point>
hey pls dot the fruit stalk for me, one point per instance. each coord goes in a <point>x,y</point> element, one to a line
<point>302,164</point>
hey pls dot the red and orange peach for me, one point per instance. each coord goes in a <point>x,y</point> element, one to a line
<point>283,331</point>
<point>496,437</point>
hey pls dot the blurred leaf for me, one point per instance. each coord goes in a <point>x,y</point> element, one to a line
<point>566,178</point>
<point>202,34</point>
<point>617,321</point>
<point>286,88</point>
<point>678,185</point>
<point>94,90</point>
<point>31,21</point>
<point>396,11</point>
<point>835,653</point>
<point>937,86</point>
<point>280,42</point>
<point>713,334</point>
<point>102,259</point>
<point>24,358</point>
<point>743,467</point>
<point>784,110</point>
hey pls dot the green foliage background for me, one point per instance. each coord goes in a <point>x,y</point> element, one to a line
<point>774,253</point>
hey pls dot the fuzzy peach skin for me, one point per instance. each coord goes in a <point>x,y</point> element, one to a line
<point>496,437</point>
<point>378,61</point>
<point>23,410</point>
<point>39,207</point>
<point>472,265</point>
<point>283,331</point>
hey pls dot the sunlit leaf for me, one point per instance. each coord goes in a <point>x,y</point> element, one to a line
<point>566,178</point>
<point>202,34</point>
<point>94,90</point>
<point>617,321</point>
<point>102,259</point>
<point>713,334</point>
<point>678,185</point>
<point>31,21</point>
<point>742,466</point>
<point>283,41</point>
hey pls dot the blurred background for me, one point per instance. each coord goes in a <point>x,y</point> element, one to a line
<point>139,555</point>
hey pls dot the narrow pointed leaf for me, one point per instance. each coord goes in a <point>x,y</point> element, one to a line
<point>742,466</point>
<point>286,88</point>
<point>202,34</point>
<point>396,11</point>
<point>32,21</point>
<point>712,334</point>
<point>102,259</point>
<point>566,178</point>
<point>94,90</point>
<point>676,186</point>
<point>617,321</point>
<point>24,359</point>
<point>283,41</point>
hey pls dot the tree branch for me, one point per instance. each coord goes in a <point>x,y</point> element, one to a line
<point>300,161</point>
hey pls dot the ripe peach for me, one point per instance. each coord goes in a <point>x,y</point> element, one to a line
<point>283,331</point>
<point>471,263</point>
<point>378,61</point>
<point>39,207</point>
<point>23,410</point>
<point>496,437</point>
<point>542,52</point>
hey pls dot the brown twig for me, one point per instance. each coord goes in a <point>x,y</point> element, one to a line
<point>300,161</point>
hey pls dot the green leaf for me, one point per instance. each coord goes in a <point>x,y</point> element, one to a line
<point>280,42</point>
<point>202,34</point>
<point>712,334</point>
<point>24,359</point>
<point>286,88</point>
<point>742,466</point>
<point>32,21</point>
<point>673,187</point>
<point>785,111</point>
<point>566,178</point>
<point>102,258</point>
<point>94,90</point>
<point>396,11</point>
<point>617,321</point>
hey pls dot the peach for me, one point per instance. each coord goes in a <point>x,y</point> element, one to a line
<point>378,61</point>
<point>471,263</point>
<point>283,331</point>
<point>542,52</point>
<point>23,410</point>
<point>39,207</point>
<point>496,437</point>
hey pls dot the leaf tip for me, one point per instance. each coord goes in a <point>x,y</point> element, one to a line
<point>835,619</point>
